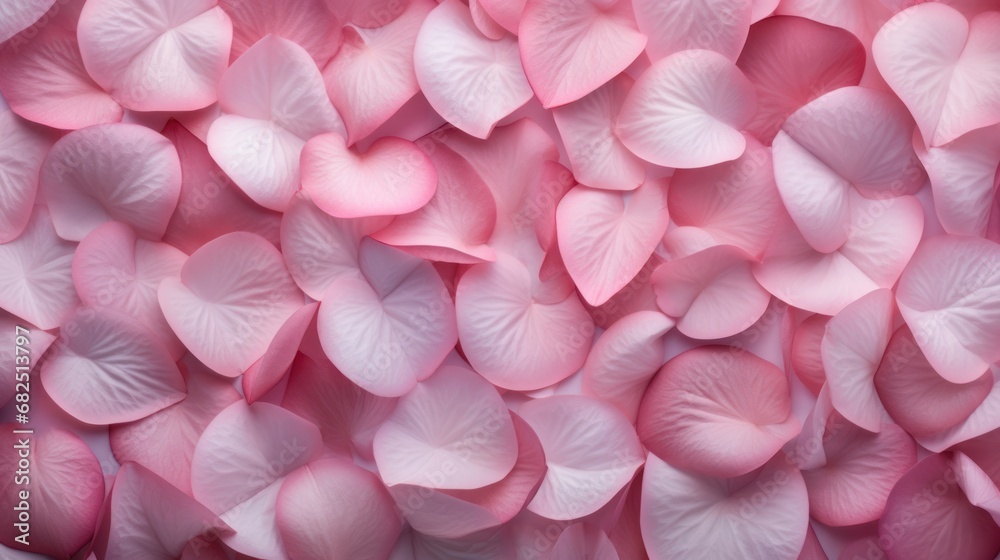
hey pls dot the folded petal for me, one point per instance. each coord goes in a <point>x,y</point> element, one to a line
<point>470,80</point>
<point>717,411</point>
<point>238,467</point>
<point>269,370</point>
<point>391,327</point>
<point>572,47</point>
<point>231,298</point>
<point>605,237</point>
<point>58,499</point>
<point>949,295</point>
<point>792,60</point>
<point>711,293</point>
<point>273,100</point>
<point>762,515</point>
<point>36,278</point>
<point>111,172</point>
<point>591,451</point>
<point>947,77</point>
<point>687,110</point>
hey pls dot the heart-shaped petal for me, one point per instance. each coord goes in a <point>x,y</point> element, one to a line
<point>110,369</point>
<point>111,172</point>
<point>393,177</point>
<point>156,55</point>
<point>687,110</point>
<point>949,295</point>
<point>231,298</point>
<point>591,451</point>
<point>452,431</point>
<point>944,67</point>
<point>605,237</point>
<point>717,411</point>
<point>449,57</point>
<point>572,47</point>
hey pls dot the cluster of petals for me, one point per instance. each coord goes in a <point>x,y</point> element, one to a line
<point>500,279</point>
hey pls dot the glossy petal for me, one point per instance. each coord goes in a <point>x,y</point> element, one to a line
<point>230,300</point>
<point>591,451</point>
<point>949,295</point>
<point>470,80</point>
<point>112,172</point>
<point>711,293</point>
<point>155,55</point>
<point>687,111</point>
<point>452,431</point>
<point>717,411</point>
<point>570,48</point>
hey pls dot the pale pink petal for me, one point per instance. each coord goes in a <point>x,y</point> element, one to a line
<point>20,14</point>
<point>37,342</point>
<point>392,177</point>
<point>711,293</point>
<point>238,467</point>
<point>510,338</point>
<point>146,517</point>
<point>451,514</point>
<point>113,269</point>
<point>687,110</point>
<point>944,67</point>
<point>852,349</point>
<point>36,278</point>
<point>807,357</point>
<point>489,544</point>
<point>391,327</point>
<point>850,137</point>
<point>790,61</point>
<point>762,515</point>
<point>605,237</point>
<point>732,203</point>
<point>231,298</point>
<point>308,23</point>
<point>883,236</point>
<point>637,295</point>
<point>860,469</point>
<point>452,431</point>
<point>210,204</point>
<point>680,25</point>
<point>311,506</point>
<point>588,129</point>
<point>108,368</point>
<point>111,172</point>
<point>470,80</point>
<point>164,441</point>
<point>506,12</point>
<point>266,372</point>
<point>23,147</point>
<point>572,47</point>
<point>58,497</point>
<point>963,176</point>
<point>347,415</point>
<point>486,25</point>
<point>582,540</point>
<point>319,248</point>
<point>625,358</point>
<point>916,396</point>
<point>373,74</point>
<point>155,55</point>
<point>457,222</point>
<point>43,78</point>
<point>591,451</point>
<point>949,295</point>
<point>273,100</point>
<point>626,534</point>
<point>928,516</point>
<point>717,411</point>
<point>983,450</point>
